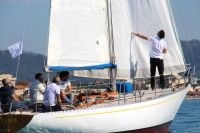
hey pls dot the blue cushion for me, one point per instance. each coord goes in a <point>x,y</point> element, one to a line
<point>124,86</point>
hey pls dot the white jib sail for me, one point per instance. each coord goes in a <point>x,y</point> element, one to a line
<point>78,34</point>
<point>146,17</point>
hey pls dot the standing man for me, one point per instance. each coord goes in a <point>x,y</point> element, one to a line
<point>158,48</point>
<point>37,88</point>
<point>66,88</point>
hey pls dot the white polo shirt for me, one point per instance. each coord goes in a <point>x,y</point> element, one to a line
<point>50,94</point>
<point>157,47</point>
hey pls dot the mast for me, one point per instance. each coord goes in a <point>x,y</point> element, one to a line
<point>111,45</point>
<point>46,67</point>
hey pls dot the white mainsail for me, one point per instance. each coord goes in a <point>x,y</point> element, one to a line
<point>78,36</point>
<point>146,17</point>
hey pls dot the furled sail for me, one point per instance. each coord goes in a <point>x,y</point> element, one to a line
<point>78,36</point>
<point>146,17</point>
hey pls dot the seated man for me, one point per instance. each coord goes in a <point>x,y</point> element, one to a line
<point>66,88</point>
<point>52,100</point>
<point>37,88</point>
<point>8,97</point>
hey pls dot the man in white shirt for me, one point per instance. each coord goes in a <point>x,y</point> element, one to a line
<point>37,88</point>
<point>66,88</point>
<point>52,99</point>
<point>158,48</point>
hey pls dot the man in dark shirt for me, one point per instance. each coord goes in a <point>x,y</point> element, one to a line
<point>7,95</point>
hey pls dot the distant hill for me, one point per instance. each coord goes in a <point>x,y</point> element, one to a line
<point>194,46</point>
<point>32,63</point>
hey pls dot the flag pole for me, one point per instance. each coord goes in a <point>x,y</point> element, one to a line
<point>18,61</point>
<point>16,51</point>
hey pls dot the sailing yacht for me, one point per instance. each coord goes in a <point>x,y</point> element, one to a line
<point>93,39</point>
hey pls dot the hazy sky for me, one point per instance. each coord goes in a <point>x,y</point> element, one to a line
<point>12,18</point>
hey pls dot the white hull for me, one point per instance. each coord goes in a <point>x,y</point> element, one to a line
<point>128,117</point>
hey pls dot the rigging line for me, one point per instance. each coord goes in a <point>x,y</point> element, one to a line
<point>124,16</point>
<point>22,37</point>
<point>131,38</point>
<point>133,72</point>
<point>137,29</point>
<point>185,32</point>
<point>136,41</point>
<point>26,18</point>
<point>128,39</point>
<point>18,63</point>
<point>128,16</point>
<point>137,26</point>
<point>176,32</point>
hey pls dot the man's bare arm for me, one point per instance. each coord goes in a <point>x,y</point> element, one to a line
<point>59,100</point>
<point>15,98</point>
<point>63,94</point>
<point>69,89</point>
<point>140,36</point>
<point>164,51</point>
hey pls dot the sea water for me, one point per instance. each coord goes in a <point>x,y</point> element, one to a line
<point>187,120</point>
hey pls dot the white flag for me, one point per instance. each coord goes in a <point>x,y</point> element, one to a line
<point>15,49</point>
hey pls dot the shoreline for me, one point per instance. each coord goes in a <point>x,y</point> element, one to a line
<point>192,98</point>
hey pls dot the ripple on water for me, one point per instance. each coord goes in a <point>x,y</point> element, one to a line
<point>188,118</point>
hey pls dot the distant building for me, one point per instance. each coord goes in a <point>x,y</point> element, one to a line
<point>7,76</point>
